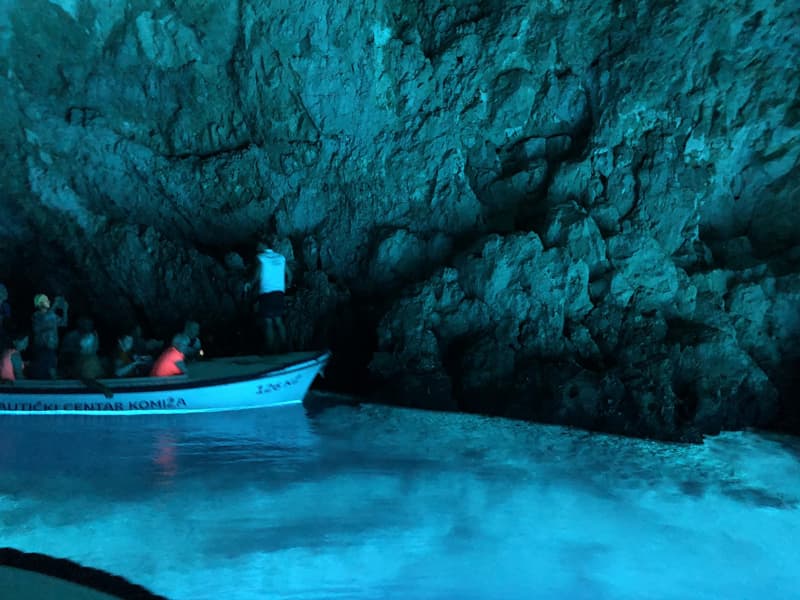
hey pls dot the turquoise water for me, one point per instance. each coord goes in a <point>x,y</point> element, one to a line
<point>377,502</point>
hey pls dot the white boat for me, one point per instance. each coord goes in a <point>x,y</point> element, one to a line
<point>219,384</point>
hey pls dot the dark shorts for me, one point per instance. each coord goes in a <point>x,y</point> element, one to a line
<point>270,306</point>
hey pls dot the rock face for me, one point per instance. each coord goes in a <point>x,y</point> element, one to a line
<point>582,212</point>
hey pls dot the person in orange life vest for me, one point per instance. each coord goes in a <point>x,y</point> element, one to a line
<point>272,278</point>
<point>11,365</point>
<point>171,360</point>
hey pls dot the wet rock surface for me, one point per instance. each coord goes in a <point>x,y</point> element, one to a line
<point>575,212</point>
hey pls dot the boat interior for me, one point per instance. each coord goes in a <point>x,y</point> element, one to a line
<point>205,369</point>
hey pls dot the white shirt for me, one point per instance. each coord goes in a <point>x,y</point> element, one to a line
<point>272,272</point>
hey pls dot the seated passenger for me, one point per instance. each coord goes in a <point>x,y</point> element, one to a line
<point>88,365</point>
<point>171,360</point>
<point>125,363</point>
<point>45,360</point>
<point>11,365</point>
<point>69,350</point>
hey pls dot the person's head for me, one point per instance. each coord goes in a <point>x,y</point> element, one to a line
<point>89,343</point>
<point>3,293</point>
<point>181,342</point>
<point>41,302</point>
<point>192,329</point>
<point>125,343</point>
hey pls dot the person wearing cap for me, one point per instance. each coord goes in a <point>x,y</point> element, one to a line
<point>47,319</point>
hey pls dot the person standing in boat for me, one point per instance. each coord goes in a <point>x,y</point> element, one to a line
<point>272,278</point>
<point>47,319</point>
<point>171,361</point>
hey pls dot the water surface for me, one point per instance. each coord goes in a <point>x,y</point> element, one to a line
<point>379,502</point>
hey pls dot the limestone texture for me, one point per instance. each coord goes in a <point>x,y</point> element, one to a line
<point>576,212</point>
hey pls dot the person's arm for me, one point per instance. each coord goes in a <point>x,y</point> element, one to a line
<point>195,347</point>
<point>181,365</point>
<point>62,318</point>
<point>123,370</point>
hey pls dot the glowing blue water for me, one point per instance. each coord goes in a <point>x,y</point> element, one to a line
<point>386,503</point>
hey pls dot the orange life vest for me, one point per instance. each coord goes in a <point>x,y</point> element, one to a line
<point>6,366</point>
<point>165,364</point>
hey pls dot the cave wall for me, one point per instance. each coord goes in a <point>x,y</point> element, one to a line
<point>583,212</point>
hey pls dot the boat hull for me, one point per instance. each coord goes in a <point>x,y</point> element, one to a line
<point>217,385</point>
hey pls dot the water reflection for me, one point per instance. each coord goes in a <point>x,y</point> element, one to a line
<point>165,456</point>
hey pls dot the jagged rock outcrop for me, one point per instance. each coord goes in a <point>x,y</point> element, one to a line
<point>578,212</point>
